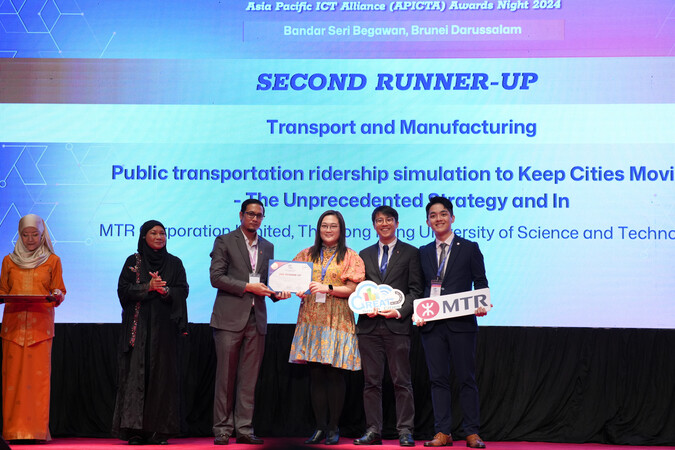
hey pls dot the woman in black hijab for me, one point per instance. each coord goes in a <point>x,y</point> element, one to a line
<point>152,289</point>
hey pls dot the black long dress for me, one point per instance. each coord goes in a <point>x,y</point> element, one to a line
<point>148,395</point>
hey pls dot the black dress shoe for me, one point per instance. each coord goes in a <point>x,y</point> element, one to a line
<point>406,440</point>
<point>221,439</point>
<point>316,438</point>
<point>370,438</point>
<point>249,439</point>
<point>332,437</point>
<point>136,440</point>
<point>157,439</point>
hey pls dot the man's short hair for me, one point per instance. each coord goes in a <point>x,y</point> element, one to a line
<point>385,210</point>
<point>252,201</point>
<point>443,201</point>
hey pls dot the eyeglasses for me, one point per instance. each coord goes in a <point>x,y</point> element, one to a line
<point>441,215</point>
<point>332,226</point>
<point>387,220</point>
<point>252,215</point>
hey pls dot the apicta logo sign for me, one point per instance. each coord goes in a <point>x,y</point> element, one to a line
<point>371,297</point>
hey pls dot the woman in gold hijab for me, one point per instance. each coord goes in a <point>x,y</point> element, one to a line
<point>27,332</point>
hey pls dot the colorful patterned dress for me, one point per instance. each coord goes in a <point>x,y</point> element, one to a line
<point>325,332</point>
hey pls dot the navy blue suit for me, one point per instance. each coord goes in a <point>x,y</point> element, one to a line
<point>452,342</point>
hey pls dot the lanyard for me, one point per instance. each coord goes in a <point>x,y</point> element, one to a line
<point>324,269</point>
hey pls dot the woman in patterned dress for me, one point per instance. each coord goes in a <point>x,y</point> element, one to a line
<point>325,332</point>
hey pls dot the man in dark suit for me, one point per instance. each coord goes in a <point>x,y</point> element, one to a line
<point>239,263</point>
<point>451,264</point>
<point>384,336</point>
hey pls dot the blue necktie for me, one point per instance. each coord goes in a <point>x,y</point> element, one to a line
<point>385,257</point>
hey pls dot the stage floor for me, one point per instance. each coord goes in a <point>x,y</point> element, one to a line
<point>292,443</point>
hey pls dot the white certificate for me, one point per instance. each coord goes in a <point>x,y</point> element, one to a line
<point>292,276</point>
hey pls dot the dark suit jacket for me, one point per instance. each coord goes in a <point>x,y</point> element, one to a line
<point>403,273</point>
<point>465,270</point>
<point>230,269</point>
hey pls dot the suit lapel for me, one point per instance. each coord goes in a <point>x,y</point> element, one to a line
<point>259,259</point>
<point>452,257</point>
<point>241,243</point>
<point>432,257</point>
<point>371,254</point>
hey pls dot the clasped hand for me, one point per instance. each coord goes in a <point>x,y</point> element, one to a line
<point>386,313</point>
<point>157,284</point>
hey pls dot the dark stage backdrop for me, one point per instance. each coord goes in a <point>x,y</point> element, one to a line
<point>613,386</point>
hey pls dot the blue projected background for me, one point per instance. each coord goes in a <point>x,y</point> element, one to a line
<point>548,123</point>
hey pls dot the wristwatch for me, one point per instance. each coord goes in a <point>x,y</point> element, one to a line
<point>330,287</point>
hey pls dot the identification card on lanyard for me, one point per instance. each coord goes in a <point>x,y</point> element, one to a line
<point>320,297</point>
<point>435,290</point>
<point>254,277</point>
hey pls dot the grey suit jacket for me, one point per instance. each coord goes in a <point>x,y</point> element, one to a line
<point>230,269</point>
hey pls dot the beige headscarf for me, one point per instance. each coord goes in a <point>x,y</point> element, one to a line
<point>24,258</point>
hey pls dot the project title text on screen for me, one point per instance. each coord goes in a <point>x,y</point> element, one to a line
<point>405,173</point>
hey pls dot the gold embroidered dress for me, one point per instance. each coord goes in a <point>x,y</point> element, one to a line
<point>27,333</point>
<point>325,332</point>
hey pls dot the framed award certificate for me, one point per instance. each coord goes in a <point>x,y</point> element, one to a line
<point>292,276</point>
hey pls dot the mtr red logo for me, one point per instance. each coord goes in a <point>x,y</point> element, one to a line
<point>427,309</point>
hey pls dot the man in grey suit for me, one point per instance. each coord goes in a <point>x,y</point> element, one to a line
<point>385,336</point>
<point>239,263</point>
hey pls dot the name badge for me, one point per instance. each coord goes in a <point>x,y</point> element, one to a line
<point>254,278</point>
<point>435,288</point>
<point>320,297</point>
